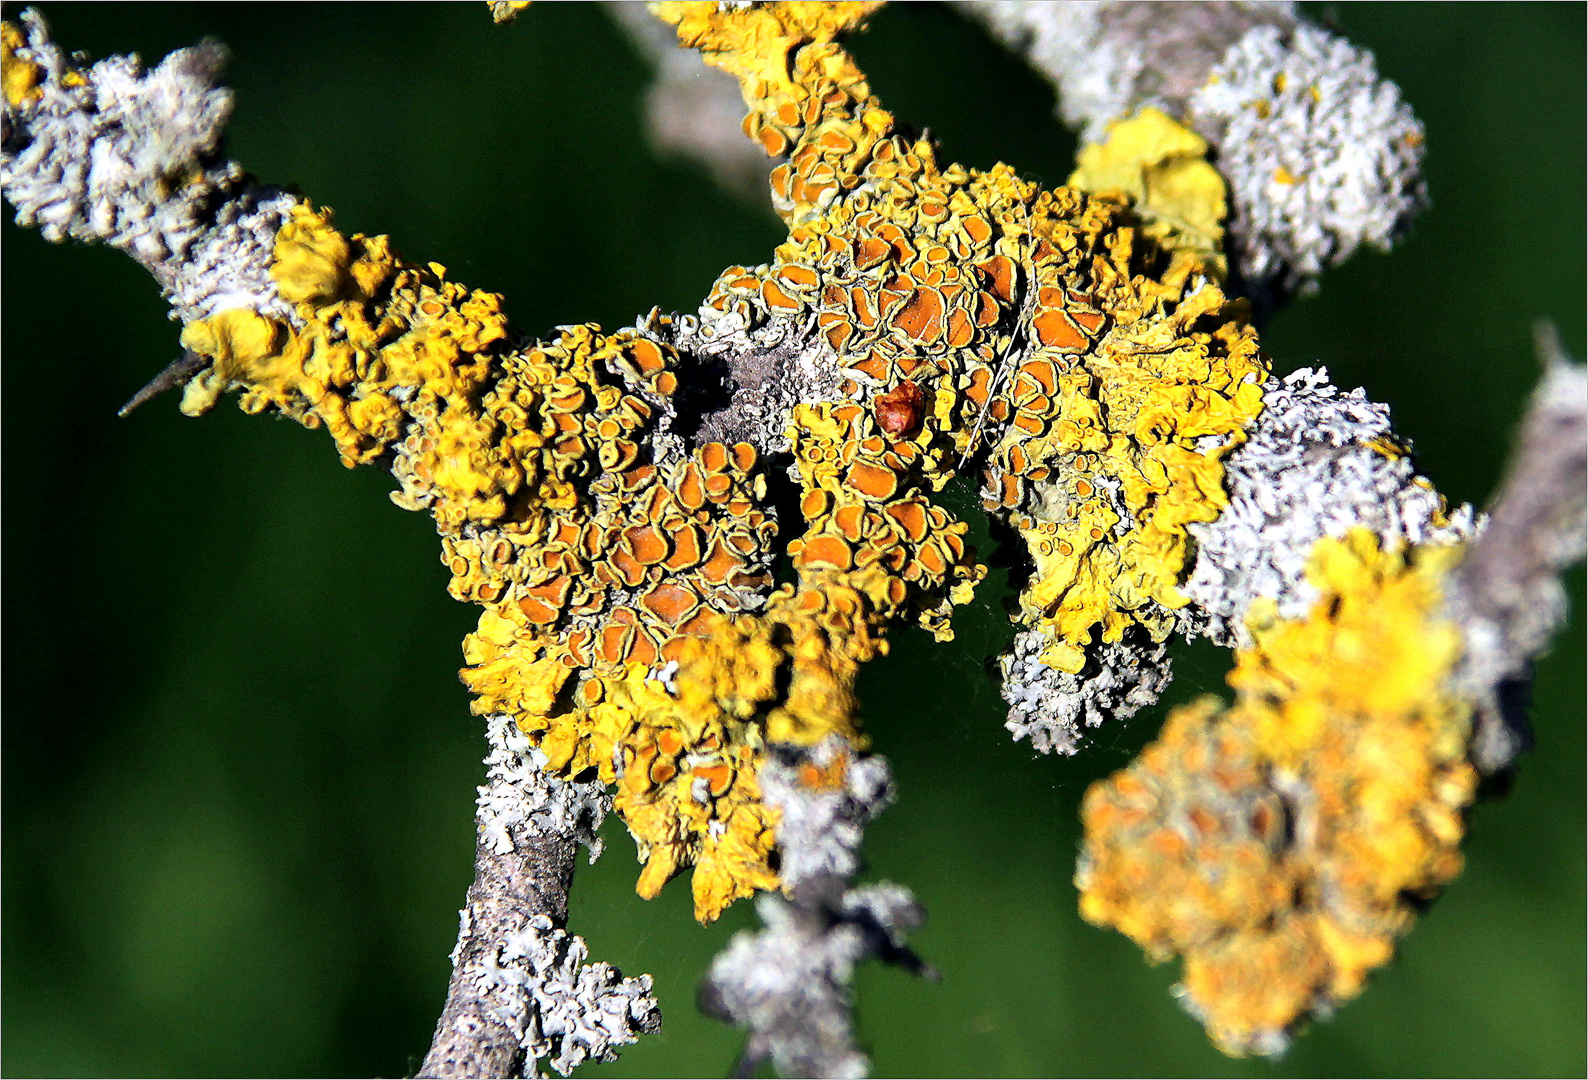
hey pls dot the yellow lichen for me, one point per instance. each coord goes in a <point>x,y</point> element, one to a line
<point>371,328</point>
<point>1162,167</point>
<point>629,624</point>
<point>19,79</point>
<point>806,96</point>
<point>593,565</point>
<point>1280,846</point>
<point>507,10</point>
<point>1138,386</point>
<point>1136,375</point>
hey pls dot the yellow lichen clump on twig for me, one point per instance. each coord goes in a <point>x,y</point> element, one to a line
<point>1281,845</point>
<point>630,626</point>
<point>1115,369</point>
<point>594,567</point>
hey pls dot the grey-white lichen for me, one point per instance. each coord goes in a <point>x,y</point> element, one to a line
<point>534,974</point>
<point>1317,462</point>
<point>1054,708</point>
<point>1322,156</point>
<point>789,983</point>
<point>520,800</point>
<point>570,1011</point>
<point>113,154</point>
<point>819,830</point>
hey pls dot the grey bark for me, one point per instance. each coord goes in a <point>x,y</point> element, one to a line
<point>473,1038</point>
<point>1507,593</point>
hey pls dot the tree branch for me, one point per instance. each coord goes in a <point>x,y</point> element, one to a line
<point>606,498</point>
<point>520,990</point>
<point>692,112</point>
<point>475,1036</point>
<point>1507,592</point>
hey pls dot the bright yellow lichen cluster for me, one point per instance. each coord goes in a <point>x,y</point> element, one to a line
<point>1281,846</point>
<point>1114,367</point>
<point>19,78</point>
<point>595,565</point>
<point>1119,418</point>
<point>1163,167</point>
<point>630,626</point>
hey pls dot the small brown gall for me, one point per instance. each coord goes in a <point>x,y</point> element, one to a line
<point>899,411</point>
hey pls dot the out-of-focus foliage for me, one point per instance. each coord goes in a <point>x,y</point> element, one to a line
<point>238,765</point>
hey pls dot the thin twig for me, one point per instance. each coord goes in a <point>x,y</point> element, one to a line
<point>176,373</point>
<point>473,1038</point>
<point>1507,592</point>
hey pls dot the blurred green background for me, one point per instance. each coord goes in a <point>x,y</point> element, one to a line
<point>238,764</point>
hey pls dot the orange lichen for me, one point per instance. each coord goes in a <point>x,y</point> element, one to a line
<point>1281,845</point>
<point>959,314</point>
<point>940,277</point>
